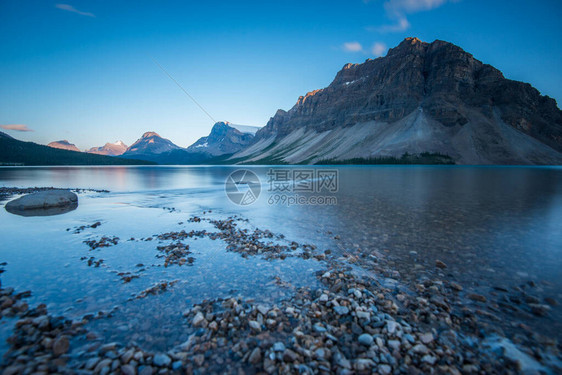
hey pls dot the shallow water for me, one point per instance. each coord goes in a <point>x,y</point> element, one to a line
<point>492,226</point>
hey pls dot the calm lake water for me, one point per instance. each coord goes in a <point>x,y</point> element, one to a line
<point>492,226</point>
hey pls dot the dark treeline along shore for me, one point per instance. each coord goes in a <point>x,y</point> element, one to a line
<point>425,158</point>
<point>15,152</point>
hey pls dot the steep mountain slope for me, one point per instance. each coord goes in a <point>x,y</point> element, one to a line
<point>149,146</point>
<point>5,136</point>
<point>110,149</point>
<point>29,153</point>
<point>63,145</point>
<point>421,97</point>
<point>224,139</point>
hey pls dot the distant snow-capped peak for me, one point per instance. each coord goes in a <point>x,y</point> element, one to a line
<point>111,149</point>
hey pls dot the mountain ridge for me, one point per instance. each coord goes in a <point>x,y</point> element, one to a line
<point>64,145</point>
<point>223,140</point>
<point>435,97</point>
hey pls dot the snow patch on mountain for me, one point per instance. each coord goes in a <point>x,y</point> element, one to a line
<point>110,149</point>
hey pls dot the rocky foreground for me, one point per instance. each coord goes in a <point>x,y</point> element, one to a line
<point>355,323</point>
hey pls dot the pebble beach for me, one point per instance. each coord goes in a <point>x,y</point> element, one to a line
<point>359,316</point>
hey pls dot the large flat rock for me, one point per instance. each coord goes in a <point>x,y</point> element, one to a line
<point>44,203</point>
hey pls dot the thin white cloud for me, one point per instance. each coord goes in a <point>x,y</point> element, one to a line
<point>398,10</point>
<point>400,7</point>
<point>70,8</point>
<point>379,49</point>
<point>16,127</point>
<point>402,24</point>
<point>352,47</point>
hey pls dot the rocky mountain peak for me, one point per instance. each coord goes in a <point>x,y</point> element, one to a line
<point>220,125</point>
<point>408,46</point>
<point>438,81</point>
<point>224,138</point>
<point>411,43</point>
<point>150,134</point>
<point>151,143</point>
<point>280,112</point>
<point>348,66</point>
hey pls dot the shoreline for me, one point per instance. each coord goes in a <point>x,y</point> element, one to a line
<point>358,323</point>
<point>8,192</point>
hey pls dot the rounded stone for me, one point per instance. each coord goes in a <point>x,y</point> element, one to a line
<point>161,360</point>
<point>128,370</point>
<point>366,339</point>
<point>341,310</point>
<point>43,203</point>
<point>60,345</point>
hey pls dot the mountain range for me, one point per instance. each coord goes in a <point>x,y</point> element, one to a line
<point>13,151</point>
<point>420,98</point>
<point>428,102</point>
<point>109,149</point>
<point>224,139</point>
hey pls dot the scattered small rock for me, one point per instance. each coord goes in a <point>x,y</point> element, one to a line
<point>366,339</point>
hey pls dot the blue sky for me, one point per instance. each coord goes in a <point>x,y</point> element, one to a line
<point>82,70</point>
